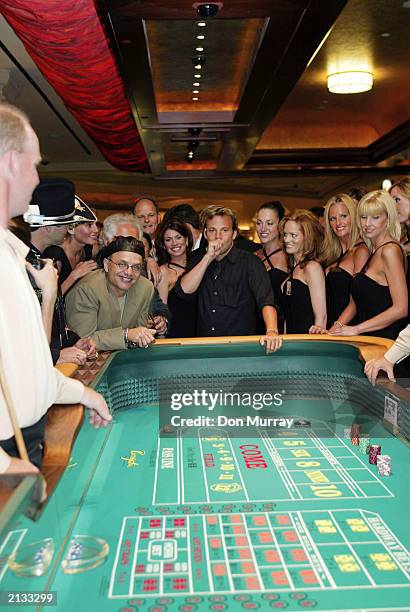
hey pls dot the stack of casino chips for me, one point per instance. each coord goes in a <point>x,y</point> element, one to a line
<point>384,465</point>
<point>374,451</point>
<point>364,445</point>
<point>354,434</point>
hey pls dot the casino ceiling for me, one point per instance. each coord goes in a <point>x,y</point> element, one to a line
<point>240,99</point>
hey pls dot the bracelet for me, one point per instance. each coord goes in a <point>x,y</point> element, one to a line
<point>338,323</point>
<point>272,331</point>
<point>126,336</point>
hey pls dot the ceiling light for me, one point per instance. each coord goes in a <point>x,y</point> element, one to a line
<point>386,184</point>
<point>199,61</point>
<point>195,91</point>
<point>196,84</point>
<point>197,76</point>
<point>385,34</point>
<point>195,98</point>
<point>406,4</point>
<point>355,81</point>
<point>201,48</point>
<point>200,37</point>
<point>201,24</point>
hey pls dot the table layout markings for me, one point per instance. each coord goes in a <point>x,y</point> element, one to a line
<point>231,586</point>
<point>117,555</point>
<point>251,548</point>
<point>181,466</point>
<point>208,558</point>
<point>279,463</point>
<point>338,468</point>
<point>237,466</point>
<point>188,549</point>
<point>154,488</point>
<point>306,550</point>
<point>134,557</point>
<point>393,537</point>
<point>282,560</point>
<point>315,548</point>
<point>203,466</point>
<point>372,582</point>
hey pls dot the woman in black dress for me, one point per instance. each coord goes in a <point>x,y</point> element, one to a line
<point>379,291</point>
<point>343,252</point>
<point>303,293</point>
<point>74,257</point>
<point>174,243</point>
<point>272,253</point>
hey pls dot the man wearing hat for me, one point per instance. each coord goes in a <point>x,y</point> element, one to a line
<point>52,209</point>
<point>111,305</point>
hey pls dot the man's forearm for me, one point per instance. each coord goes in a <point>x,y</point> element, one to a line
<point>191,280</point>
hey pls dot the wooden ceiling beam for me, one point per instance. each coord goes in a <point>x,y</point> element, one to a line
<point>281,60</point>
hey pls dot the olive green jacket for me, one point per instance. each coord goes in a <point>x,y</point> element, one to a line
<point>93,310</point>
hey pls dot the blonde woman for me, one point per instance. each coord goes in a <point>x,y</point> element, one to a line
<point>343,251</point>
<point>303,294</point>
<point>379,291</point>
<point>71,258</point>
<point>400,192</point>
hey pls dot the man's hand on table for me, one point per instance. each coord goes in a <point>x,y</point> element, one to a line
<point>159,323</point>
<point>143,336</point>
<point>72,354</point>
<point>272,340</point>
<point>373,367</point>
<point>99,414</point>
<point>89,346</point>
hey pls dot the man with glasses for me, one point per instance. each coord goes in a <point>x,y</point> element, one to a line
<point>111,305</point>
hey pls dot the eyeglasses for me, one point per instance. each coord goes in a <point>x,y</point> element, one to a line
<point>123,265</point>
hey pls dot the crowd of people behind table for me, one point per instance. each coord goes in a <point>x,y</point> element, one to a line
<point>339,269</point>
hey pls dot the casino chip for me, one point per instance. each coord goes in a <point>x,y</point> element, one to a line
<point>384,465</point>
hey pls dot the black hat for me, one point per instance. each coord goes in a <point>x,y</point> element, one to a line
<point>52,203</point>
<point>124,243</point>
<point>83,212</point>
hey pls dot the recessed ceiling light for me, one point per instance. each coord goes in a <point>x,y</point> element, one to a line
<point>199,48</point>
<point>200,37</point>
<point>201,24</point>
<point>406,4</point>
<point>195,91</point>
<point>385,34</point>
<point>195,98</point>
<point>197,76</point>
<point>196,84</point>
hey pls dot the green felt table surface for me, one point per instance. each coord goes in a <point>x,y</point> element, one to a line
<point>221,517</point>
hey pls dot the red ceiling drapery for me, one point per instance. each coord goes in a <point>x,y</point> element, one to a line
<point>67,42</point>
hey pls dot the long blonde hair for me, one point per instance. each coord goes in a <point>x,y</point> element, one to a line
<point>374,203</point>
<point>332,247</point>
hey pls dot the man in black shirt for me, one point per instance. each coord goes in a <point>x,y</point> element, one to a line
<point>231,284</point>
